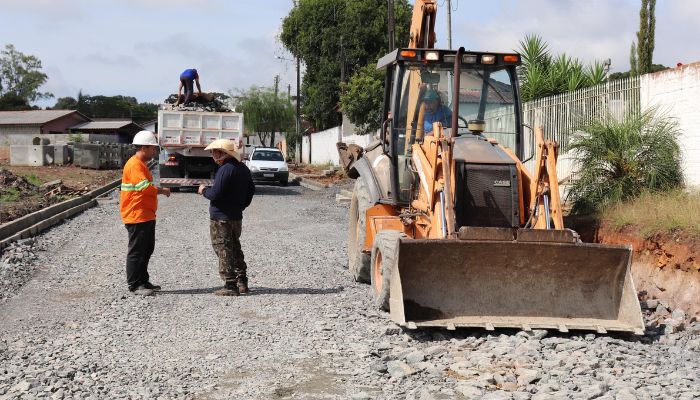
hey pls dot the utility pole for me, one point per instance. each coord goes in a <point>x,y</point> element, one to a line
<point>272,136</point>
<point>449,24</point>
<point>298,112</point>
<point>391,24</point>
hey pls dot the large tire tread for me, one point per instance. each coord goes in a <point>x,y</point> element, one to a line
<point>386,248</point>
<point>358,262</point>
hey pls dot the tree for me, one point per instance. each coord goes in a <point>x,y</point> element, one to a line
<point>21,75</point>
<point>266,112</point>
<point>65,103</point>
<point>334,39</point>
<point>361,99</point>
<point>542,74</point>
<point>12,102</point>
<point>645,37</point>
<point>620,159</point>
<point>109,107</point>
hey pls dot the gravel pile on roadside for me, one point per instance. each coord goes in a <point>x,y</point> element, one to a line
<point>306,331</point>
<point>17,265</point>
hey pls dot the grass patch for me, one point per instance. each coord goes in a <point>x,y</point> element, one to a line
<point>9,195</point>
<point>653,213</point>
<point>34,180</point>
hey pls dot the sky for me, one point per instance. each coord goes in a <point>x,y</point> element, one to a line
<point>139,47</point>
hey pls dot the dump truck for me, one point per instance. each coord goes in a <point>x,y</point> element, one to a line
<point>447,223</point>
<point>183,135</point>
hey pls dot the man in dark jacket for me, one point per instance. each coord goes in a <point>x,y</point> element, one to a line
<point>231,193</point>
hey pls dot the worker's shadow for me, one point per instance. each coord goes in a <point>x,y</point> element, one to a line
<point>265,290</point>
<point>190,291</point>
<point>258,291</point>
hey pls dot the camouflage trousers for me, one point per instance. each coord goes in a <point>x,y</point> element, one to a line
<point>225,238</point>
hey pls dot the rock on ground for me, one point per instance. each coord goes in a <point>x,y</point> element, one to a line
<point>306,330</point>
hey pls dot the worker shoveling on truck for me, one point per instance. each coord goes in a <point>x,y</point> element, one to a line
<point>188,78</point>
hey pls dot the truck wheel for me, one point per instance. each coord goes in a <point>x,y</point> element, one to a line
<point>284,182</point>
<point>385,255</point>
<point>358,262</point>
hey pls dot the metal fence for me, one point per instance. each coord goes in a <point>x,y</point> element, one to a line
<point>563,114</point>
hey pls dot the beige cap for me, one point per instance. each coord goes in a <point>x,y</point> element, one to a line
<point>228,146</point>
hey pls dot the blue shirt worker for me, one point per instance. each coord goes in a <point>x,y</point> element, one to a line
<point>231,193</point>
<point>435,111</point>
<point>187,79</point>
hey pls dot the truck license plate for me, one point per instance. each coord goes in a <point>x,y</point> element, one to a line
<point>269,175</point>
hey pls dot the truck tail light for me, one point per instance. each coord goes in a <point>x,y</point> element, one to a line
<point>171,157</point>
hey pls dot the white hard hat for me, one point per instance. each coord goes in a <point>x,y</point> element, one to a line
<point>227,146</point>
<point>145,138</point>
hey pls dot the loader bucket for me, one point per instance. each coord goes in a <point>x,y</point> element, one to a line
<point>491,284</point>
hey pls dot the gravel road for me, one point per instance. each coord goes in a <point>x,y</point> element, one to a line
<point>306,331</point>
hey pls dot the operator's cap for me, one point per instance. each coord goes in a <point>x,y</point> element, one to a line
<point>431,94</point>
<point>228,146</point>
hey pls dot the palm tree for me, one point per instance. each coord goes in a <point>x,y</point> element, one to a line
<point>618,160</point>
<point>542,74</point>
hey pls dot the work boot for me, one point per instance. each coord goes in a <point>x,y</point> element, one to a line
<point>227,291</point>
<point>142,290</point>
<point>242,287</point>
<point>151,286</point>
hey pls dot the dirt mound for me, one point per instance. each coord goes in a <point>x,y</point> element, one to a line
<point>20,197</point>
<point>10,182</point>
<point>209,102</point>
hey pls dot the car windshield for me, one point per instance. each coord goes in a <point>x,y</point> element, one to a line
<point>267,155</point>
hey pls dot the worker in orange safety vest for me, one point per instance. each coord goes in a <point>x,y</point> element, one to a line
<point>138,205</point>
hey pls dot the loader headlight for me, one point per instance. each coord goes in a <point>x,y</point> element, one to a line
<point>488,59</point>
<point>432,55</point>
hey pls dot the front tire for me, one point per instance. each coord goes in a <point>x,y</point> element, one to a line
<point>358,262</point>
<point>385,257</point>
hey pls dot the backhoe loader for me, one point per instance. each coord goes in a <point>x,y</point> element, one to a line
<point>446,222</point>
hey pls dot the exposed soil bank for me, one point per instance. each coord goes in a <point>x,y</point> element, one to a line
<point>666,265</point>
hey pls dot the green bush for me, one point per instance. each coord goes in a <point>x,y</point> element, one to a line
<point>618,160</point>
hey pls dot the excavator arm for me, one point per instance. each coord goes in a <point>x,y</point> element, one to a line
<point>423,25</point>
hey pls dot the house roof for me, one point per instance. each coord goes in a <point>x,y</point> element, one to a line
<point>104,125</point>
<point>34,117</point>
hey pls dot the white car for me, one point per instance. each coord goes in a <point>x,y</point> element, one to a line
<point>267,164</point>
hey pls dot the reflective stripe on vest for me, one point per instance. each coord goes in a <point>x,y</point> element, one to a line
<point>127,187</point>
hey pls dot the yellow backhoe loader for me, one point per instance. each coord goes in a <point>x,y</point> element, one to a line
<point>446,222</point>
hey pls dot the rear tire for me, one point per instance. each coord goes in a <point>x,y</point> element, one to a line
<point>385,256</point>
<point>358,262</point>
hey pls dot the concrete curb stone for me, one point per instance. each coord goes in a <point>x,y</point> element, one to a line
<point>307,183</point>
<point>31,224</point>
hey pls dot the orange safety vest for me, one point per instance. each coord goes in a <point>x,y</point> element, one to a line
<point>139,197</point>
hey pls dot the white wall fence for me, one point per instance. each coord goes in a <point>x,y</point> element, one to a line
<point>676,93</point>
<point>320,147</point>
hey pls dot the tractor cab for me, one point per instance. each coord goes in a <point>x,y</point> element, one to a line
<point>422,90</point>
